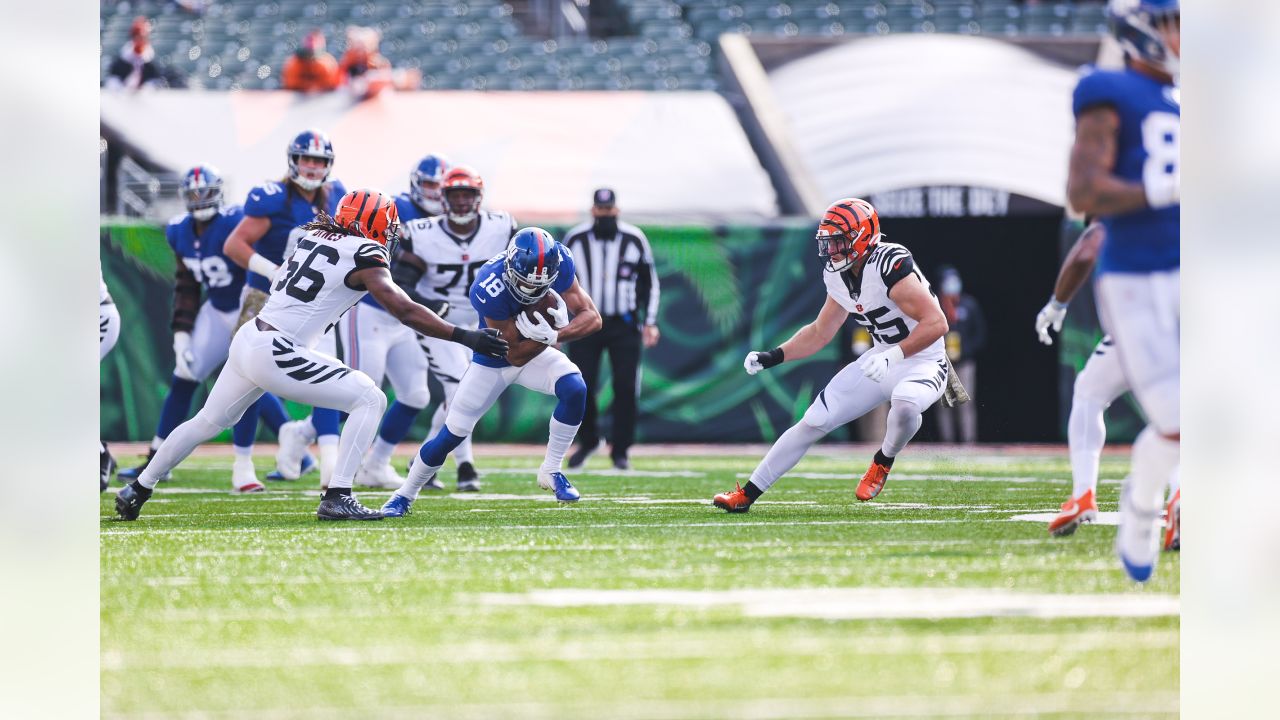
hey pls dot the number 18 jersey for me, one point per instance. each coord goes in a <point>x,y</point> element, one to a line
<point>866,296</point>
<point>452,261</point>
<point>313,289</point>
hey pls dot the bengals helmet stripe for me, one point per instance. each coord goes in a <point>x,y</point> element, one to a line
<point>849,228</point>
<point>378,223</point>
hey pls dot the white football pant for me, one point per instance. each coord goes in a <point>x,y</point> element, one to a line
<point>377,344</point>
<point>1098,384</point>
<point>448,362</point>
<point>108,328</point>
<point>481,386</point>
<point>267,361</point>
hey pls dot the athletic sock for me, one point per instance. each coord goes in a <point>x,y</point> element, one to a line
<point>752,492</point>
<point>883,459</point>
<point>331,493</point>
<point>559,438</point>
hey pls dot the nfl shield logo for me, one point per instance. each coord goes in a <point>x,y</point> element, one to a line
<point>859,306</point>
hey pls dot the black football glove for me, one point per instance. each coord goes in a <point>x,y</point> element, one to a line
<point>486,341</point>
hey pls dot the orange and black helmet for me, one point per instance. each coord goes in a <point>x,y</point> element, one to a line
<point>848,231</point>
<point>370,214</point>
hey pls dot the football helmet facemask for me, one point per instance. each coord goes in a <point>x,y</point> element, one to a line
<point>848,231</point>
<point>372,215</point>
<point>431,171</point>
<point>532,264</point>
<point>312,144</point>
<point>202,192</point>
<point>457,181</point>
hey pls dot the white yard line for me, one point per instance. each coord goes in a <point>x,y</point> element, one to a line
<point>863,603</point>
<point>1104,518</point>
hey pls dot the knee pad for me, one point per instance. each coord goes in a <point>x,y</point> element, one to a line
<point>214,424</point>
<point>416,398</point>
<point>572,389</point>
<point>819,414</point>
<point>372,397</point>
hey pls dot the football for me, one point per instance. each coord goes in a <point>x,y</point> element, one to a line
<point>539,309</point>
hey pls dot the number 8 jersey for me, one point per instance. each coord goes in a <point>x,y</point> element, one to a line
<point>452,261</point>
<point>866,296</point>
<point>1147,145</point>
<point>313,289</point>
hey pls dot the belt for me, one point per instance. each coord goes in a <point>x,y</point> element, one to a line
<point>264,325</point>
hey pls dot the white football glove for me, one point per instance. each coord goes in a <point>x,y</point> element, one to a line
<point>757,361</point>
<point>876,365</point>
<point>536,329</point>
<point>752,363</point>
<point>560,313</point>
<point>183,358</point>
<point>1050,316</point>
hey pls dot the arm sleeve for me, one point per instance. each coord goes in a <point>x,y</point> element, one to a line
<point>647,286</point>
<point>186,298</point>
<point>894,265</point>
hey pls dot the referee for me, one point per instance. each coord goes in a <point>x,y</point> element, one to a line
<point>615,267</point>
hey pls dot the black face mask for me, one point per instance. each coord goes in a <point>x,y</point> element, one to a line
<point>606,226</point>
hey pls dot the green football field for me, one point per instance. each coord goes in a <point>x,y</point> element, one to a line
<point>641,601</point>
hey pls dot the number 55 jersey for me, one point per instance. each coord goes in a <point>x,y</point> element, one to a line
<point>453,261</point>
<point>314,288</point>
<point>866,296</point>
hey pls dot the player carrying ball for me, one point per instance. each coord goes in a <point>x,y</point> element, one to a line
<point>879,286</point>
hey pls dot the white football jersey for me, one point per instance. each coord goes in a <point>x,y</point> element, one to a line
<point>452,261</point>
<point>310,291</point>
<point>866,296</point>
<point>104,296</point>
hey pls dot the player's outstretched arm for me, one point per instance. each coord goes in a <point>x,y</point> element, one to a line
<point>806,341</point>
<point>586,318</point>
<point>917,303</point>
<point>377,280</point>
<point>1075,272</point>
<point>1092,186</point>
<point>239,245</point>
<point>406,270</point>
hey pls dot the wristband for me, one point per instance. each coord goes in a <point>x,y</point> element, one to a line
<point>770,358</point>
<point>1053,303</point>
<point>262,266</point>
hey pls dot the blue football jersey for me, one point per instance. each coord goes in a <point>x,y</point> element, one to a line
<point>286,210</point>
<point>1150,115</point>
<point>204,257</point>
<point>406,211</point>
<point>493,301</point>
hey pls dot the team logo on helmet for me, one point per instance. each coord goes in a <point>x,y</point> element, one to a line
<point>849,229</point>
<point>1137,26</point>
<point>370,214</point>
<point>312,144</point>
<point>532,264</point>
<point>462,177</point>
<point>430,169</point>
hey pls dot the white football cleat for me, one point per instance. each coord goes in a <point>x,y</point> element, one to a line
<point>295,437</point>
<point>384,477</point>
<point>244,479</point>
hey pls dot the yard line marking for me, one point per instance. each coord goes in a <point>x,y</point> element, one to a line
<point>926,477</point>
<point>1104,518</point>
<point>862,603</point>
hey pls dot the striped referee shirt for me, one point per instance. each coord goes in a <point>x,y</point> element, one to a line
<point>616,272</point>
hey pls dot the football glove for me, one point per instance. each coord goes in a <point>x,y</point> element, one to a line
<point>876,365</point>
<point>560,313</point>
<point>183,358</point>
<point>536,329</point>
<point>1050,316</point>
<point>757,361</point>
<point>486,341</point>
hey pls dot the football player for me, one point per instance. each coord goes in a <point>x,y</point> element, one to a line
<point>201,331</point>
<point>108,334</point>
<point>1097,385</point>
<point>338,259</point>
<point>379,345</point>
<point>533,266</point>
<point>1124,170</point>
<point>878,285</point>
<point>272,211</point>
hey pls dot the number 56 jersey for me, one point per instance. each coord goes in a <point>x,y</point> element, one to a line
<point>453,261</point>
<point>866,296</point>
<point>313,288</point>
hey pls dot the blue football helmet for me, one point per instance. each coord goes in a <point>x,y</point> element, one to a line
<point>310,143</point>
<point>202,192</point>
<point>429,169</point>
<point>532,264</point>
<point>1136,25</point>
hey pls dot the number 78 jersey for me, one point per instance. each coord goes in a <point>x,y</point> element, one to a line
<point>452,261</point>
<point>312,289</point>
<point>866,296</point>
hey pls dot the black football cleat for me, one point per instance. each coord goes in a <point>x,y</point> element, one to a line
<point>580,456</point>
<point>106,466</point>
<point>130,499</point>
<point>620,462</point>
<point>345,507</point>
<point>468,478</point>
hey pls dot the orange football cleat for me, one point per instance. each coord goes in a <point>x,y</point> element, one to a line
<point>734,502</point>
<point>1075,512</point>
<point>872,482</point>
<point>1173,523</point>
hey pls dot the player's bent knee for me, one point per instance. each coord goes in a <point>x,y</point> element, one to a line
<point>818,416</point>
<point>417,398</point>
<point>572,389</point>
